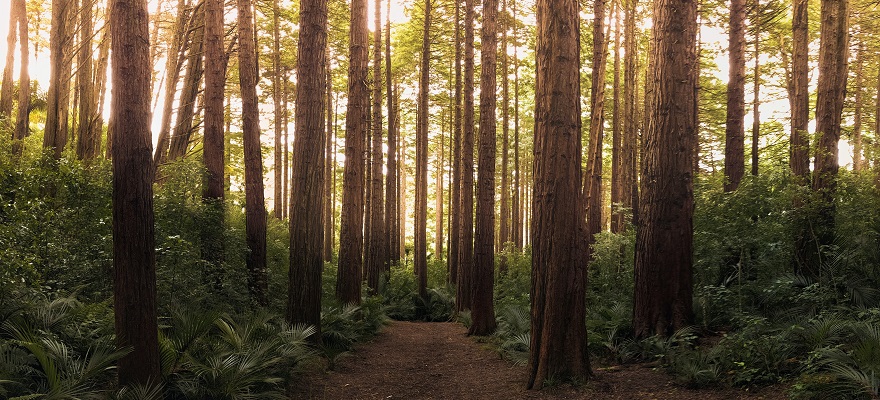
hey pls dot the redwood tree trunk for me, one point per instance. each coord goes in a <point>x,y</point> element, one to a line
<point>734,151</point>
<point>466,249</point>
<point>504,224</point>
<point>11,38</point>
<point>593,175</point>
<point>617,192</point>
<point>455,189</point>
<point>833,55</point>
<point>213,143</point>
<point>392,219</point>
<point>376,263</point>
<point>420,247</point>
<point>22,121</point>
<point>134,243</point>
<point>88,135</point>
<point>183,127</point>
<point>482,307</point>
<point>800,104</point>
<point>630,145</point>
<point>175,60</point>
<point>857,108</point>
<point>278,155</point>
<point>558,346</point>
<point>255,205</point>
<point>664,241</point>
<point>55,136</point>
<point>351,235</point>
<point>304,282</point>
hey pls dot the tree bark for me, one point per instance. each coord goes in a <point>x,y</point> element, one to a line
<point>664,241</point>
<point>55,136</point>
<point>351,239</point>
<point>593,175</point>
<point>800,104</point>
<point>466,249</point>
<point>88,135</point>
<point>176,55</point>
<point>304,282</point>
<point>734,152</point>
<point>857,108</point>
<point>629,158</point>
<point>391,198</point>
<point>11,39</point>
<point>22,120</point>
<point>617,190</point>
<point>183,126</point>
<point>482,307</point>
<point>756,105</point>
<point>255,205</point>
<point>504,225</point>
<point>329,164</point>
<point>455,189</point>
<point>134,249</point>
<point>420,244</point>
<point>278,155</point>
<point>376,263</point>
<point>830,97</point>
<point>558,346</point>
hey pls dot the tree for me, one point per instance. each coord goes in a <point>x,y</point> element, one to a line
<point>833,55</point>
<point>558,346</point>
<point>734,152</point>
<point>176,55</point>
<point>376,263</point>
<point>306,236</point>
<point>504,225</point>
<point>617,189</point>
<point>255,205</point>
<point>351,231</point>
<point>213,141</point>
<point>392,216</point>
<point>420,243</point>
<point>329,164</point>
<point>857,107</point>
<point>55,136</point>
<point>800,98</point>
<point>278,198</point>
<point>664,242</point>
<point>134,242</point>
<point>22,121</point>
<point>593,175</point>
<point>466,236</point>
<point>630,142</point>
<point>183,126</point>
<point>482,283</point>
<point>455,189</point>
<point>11,39</point>
<point>88,144</point>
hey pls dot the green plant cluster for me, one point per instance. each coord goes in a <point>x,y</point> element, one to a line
<point>56,318</point>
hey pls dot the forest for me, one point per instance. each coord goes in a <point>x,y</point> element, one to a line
<point>251,199</point>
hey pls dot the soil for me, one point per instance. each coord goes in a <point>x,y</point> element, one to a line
<point>419,360</point>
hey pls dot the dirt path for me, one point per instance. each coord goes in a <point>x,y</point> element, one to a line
<point>438,361</point>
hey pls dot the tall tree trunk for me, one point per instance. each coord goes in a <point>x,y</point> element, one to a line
<point>617,191</point>
<point>833,55</point>
<point>176,55</point>
<point>183,126</point>
<point>466,249</point>
<point>517,181</point>
<point>455,190</point>
<point>734,152</point>
<point>391,197</point>
<point>22,120</point>
<point>278,156</point>
<point>558,346</point>
<point>286,190</point>
<point>420,246</point>
<point>329,164</point>
<point>857,108</point>
<point>504,226</point>
<point>255,205</point>
<point>351,232</point>
<point>482,283</point>
<point>88,135</point>
<point>134,242</point>
<point>55,136</point>
<point>304,282</point>
<point>11,39</point>
<point>800,104</point>
<point>664,241</point>
<point>630,142</point>
<point>376,263</point>
<point>593,175</point>
<point>756,105</point>
<point>438,197</point>
<point>213,143</point>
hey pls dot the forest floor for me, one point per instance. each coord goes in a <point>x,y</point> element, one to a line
<point>421,360</point>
